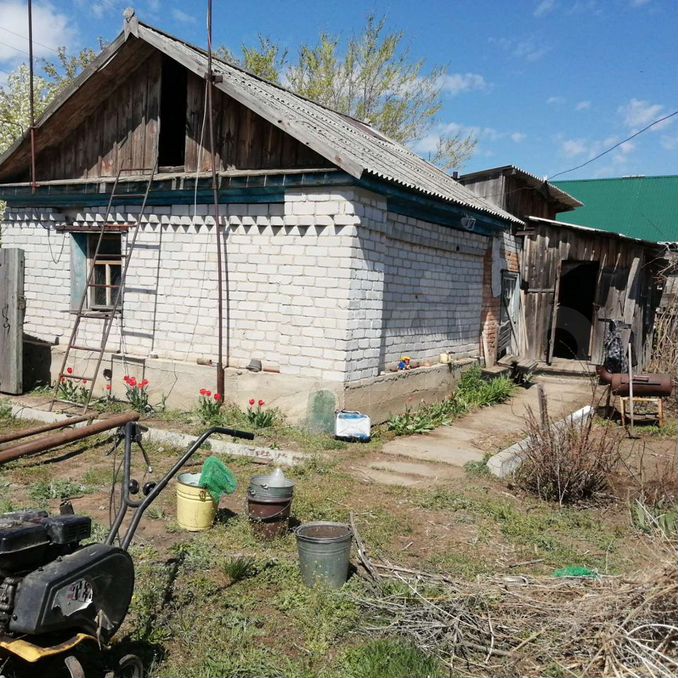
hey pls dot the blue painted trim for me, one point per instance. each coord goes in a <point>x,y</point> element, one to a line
<point>262,188</point>
<point>265,188</point>
<point>409,204</point>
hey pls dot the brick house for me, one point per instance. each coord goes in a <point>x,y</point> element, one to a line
<point>342,249</point>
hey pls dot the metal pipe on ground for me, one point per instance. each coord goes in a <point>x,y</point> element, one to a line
<point>65,437</point>
<point>25,433</point>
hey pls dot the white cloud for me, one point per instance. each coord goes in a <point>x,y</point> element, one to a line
<point>571,148</point>
<point>182,16</point>
<point>50,30</point>
<point>555,101</point>
<point>529,48</point>
<point>582,106</point>
<point>102,7</point>
<point>484,135</point>
<point>455,83</point>
<point>544,7</point>
<point>638,113</point>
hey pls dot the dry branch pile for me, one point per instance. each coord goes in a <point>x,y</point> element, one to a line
<point>665,337</point>
<point>519,626</point>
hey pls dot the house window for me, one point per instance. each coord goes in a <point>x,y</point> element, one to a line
<point>106,267</point>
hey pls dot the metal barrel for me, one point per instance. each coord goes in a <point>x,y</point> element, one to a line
<point>324,553</point>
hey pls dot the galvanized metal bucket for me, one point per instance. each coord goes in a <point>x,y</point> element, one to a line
<point>324,553</point>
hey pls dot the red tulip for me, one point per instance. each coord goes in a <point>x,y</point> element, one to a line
<point>252,401</point>
<point>69,370</point>
<point>218,397</point>
<point>63,380</point>
<point>261,403</point>
<point>145,383</point>
<point>208,393</point>
<point>203,392</point>
<point>108,387</point>
<point>126,379</point>
<point>132,382</point>
<point>84,381</point>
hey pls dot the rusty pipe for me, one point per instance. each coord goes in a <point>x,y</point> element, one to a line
<point>649,385</point>
<point>25,433</point>
<point>65,437</point>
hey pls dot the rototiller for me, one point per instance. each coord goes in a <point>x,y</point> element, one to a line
<point>56,594</point>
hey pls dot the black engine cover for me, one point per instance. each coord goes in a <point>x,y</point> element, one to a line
<point>89,590</point>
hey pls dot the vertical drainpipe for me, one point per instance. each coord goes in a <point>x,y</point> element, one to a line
<point>215,192</point>
<point>31,95</point>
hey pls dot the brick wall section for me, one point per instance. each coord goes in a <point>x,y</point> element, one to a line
<point>328,285</point>
<point>508,259</point>
<point>288,283</point>
<point>416,290</point>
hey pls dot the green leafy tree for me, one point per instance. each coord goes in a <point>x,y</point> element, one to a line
<point>50,78</point>
<point>371,77</point>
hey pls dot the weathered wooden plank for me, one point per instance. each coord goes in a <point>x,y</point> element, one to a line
<point>12,305</point>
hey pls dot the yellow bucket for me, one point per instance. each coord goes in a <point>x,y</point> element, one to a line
<point>195,507</point>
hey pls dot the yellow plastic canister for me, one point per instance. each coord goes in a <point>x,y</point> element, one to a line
<point>195,507</point>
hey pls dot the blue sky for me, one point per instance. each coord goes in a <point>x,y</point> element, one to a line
<point>544,84</point>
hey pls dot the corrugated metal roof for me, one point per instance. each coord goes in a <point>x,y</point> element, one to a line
<point>645,208</point>
<point>532,179</point>
<point>351,144</point>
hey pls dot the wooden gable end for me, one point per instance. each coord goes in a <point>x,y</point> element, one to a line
<point>142,108</point>
<point>242,139</point>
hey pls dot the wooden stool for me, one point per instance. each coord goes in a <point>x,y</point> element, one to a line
<point>623,408</point>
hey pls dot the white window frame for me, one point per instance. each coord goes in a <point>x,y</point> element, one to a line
<point>108,262</point>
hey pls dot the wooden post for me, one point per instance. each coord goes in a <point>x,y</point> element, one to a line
<point>12,305</point>
<point>630,391</point>
<point>543,408</point>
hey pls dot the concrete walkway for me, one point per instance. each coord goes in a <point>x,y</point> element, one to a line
<point>423,459</point>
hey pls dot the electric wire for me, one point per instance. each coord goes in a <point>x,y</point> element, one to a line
<point>620,143</point>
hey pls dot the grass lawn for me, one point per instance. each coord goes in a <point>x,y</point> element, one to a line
<point>221,603</point>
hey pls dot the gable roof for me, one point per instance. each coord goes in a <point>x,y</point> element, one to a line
<point>352,145</point>
<point>567,201</point>
<point>645,208</point>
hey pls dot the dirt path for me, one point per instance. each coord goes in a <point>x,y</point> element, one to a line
<point>425,459</point>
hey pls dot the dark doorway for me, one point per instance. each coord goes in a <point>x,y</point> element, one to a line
<point>577,291</point>
<point>173,93</point>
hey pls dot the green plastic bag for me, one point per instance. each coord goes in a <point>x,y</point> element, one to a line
<point>217,478</point>
<point>574,571</point>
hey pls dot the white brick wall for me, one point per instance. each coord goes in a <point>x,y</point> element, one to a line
<point>328,285</point>
<point>416,289</point>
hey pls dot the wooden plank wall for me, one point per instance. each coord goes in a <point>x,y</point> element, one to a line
<point>243,139</point>
<point>624,286</point>
<point>122,132</point>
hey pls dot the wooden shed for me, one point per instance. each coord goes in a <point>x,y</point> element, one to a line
<point>575,280</point>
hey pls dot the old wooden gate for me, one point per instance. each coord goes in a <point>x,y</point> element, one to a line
<point>12,306</point>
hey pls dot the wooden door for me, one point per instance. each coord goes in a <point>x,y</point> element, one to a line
<point>12,306</point>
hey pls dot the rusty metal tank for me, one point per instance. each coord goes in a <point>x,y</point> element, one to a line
<point>647,385</point>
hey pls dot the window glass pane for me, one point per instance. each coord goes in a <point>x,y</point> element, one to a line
<point>99,293</point>
<point>115,273</point>
<point>110,245</point>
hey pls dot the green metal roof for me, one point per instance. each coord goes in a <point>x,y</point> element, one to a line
<point>638,207</point>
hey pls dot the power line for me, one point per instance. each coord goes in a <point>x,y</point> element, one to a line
<point>600,155</point>
<point>6,44</point>
<point>35,42</point>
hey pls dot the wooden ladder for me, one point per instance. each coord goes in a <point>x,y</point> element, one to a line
<point>106,315</point>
